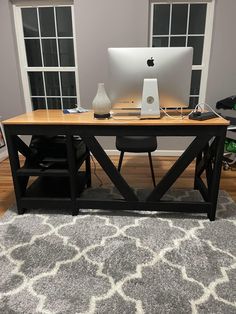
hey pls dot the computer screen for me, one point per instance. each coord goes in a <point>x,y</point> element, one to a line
<point>128,67</point>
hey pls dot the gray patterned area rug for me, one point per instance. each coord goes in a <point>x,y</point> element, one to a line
<point>130,262</point>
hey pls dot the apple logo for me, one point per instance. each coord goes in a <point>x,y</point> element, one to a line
<point>150,62</point>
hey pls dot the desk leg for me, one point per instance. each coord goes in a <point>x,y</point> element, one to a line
<point>204,163</point>
<point>15,165</point>
<point>88,170</point>
<point>216,173</point>
<point>208,163</point>
<point>72,171</point>
<point>198,159</point>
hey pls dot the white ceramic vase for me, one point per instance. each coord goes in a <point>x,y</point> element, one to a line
<point>101,103</point>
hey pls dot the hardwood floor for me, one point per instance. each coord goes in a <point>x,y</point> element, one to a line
<point>136,171</point>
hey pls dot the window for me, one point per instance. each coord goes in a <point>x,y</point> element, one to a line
<point>185,24</point>
<point>46,46</point>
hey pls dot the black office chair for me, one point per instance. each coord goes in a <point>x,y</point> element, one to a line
<point>137,144</point>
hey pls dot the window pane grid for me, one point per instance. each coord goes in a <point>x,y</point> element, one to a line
<point>183,31</point>
<point>51,69</point>
<point>48,60</point>
<point>66,51</point>
<point>43,96</point>
<point>168,38</point>
<point>54,86</point>
<point>175,35</point>
<point>50,37</point>
<point>188,21</point>
<point>53,102</point>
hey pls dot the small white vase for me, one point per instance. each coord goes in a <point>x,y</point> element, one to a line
<point>101,103</point>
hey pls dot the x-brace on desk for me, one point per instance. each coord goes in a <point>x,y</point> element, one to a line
<point>207,148</point>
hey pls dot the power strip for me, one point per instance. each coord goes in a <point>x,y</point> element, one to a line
<point>202,115</point>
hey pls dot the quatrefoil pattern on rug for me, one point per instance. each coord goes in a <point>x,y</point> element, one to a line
<point>125,262</point>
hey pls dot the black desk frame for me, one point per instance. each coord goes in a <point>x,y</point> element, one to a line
<point>207,147</point>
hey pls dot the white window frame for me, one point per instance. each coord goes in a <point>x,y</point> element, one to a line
<point>24,68</point>
<point>204,67</point>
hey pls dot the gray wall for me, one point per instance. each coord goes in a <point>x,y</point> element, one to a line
<point>112,24</point>
<point>106,23</point>
<point>222,69</point>
<point>11,95</point>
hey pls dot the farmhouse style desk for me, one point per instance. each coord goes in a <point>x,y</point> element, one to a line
<point>207,148</point>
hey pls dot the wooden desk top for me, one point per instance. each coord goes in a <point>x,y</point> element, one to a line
<point>55,117</point>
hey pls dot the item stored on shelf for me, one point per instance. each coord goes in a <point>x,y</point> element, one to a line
<point>51,147</point>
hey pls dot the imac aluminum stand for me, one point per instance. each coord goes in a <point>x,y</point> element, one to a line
<point>150,108</point>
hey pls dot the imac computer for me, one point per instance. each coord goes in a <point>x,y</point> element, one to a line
<point>148,77</point>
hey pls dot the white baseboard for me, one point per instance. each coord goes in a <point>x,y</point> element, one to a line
<point>171,153</point>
